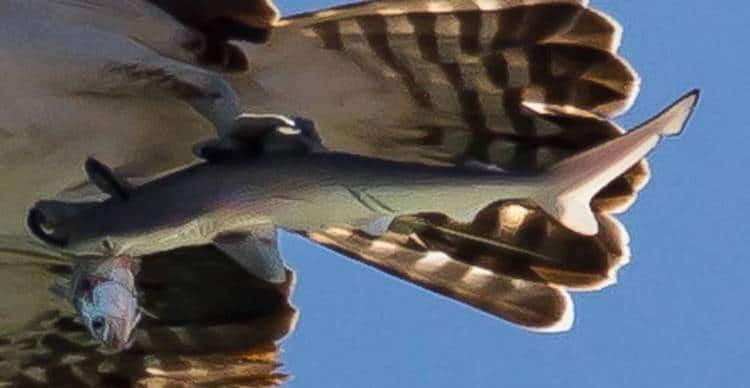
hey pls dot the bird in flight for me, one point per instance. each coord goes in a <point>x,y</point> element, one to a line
<point>517,85</point>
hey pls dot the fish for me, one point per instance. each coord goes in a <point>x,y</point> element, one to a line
<point>104,295</point>
<point>238,203</point>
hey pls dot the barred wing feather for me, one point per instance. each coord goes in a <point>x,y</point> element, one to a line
<point>518,84</point>
<point>526,303</point>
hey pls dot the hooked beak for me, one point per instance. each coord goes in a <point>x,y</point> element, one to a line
<point>36,222</point>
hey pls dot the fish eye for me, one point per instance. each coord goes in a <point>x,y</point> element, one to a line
<point>97,323</point>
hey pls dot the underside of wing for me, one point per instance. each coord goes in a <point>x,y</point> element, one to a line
<point>512,261</point>
<point>530,304</point>
<point>208,323</point>
<point>518,84</point>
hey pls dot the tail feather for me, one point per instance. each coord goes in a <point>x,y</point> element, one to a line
<point>575,181</point>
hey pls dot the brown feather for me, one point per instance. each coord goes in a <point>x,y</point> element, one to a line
<point>520,85</point>
<point>530,304</point>
<point>220,21</point>
<point>205,14</point>
<point>521,241</point>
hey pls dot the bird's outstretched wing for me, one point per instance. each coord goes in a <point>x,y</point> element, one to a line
<point>193,327</point>
<point>516,84</point>
<point>512,261</point>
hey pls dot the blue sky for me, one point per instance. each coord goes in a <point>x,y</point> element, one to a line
<point>679,313</point>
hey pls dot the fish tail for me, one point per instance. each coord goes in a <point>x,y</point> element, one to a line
<point>570,185</point>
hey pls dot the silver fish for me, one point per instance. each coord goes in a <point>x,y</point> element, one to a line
<point>237,203</point>
<point>104,296</point>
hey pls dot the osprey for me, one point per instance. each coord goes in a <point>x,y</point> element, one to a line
<point>518,85</point>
